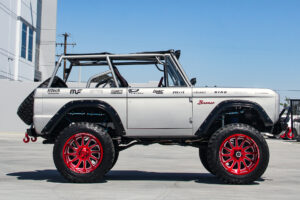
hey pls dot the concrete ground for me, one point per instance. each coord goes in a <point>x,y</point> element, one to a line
<point>142,172</point>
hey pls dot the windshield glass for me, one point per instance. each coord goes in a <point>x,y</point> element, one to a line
<point>174,77</point>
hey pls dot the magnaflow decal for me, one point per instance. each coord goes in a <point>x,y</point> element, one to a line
<point>135,91</point>
<point>75,91</point>
<point>116,91</point>
<point>158,91</point>
<point>205,102</point>
<point>53,91</point>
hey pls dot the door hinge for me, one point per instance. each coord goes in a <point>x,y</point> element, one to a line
<point>191,99</point>
<point>191,120</point>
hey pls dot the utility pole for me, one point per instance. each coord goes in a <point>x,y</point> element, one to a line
<point>65,44</point>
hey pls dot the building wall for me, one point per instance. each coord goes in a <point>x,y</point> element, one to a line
<point>13,13</point>
<point>8,18</point>
<point>48,38</point>
<point>10,101</point>
<point>40,15</point>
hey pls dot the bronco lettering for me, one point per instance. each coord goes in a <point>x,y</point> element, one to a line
<point>205,102</point>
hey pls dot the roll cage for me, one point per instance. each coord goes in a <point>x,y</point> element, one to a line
<point>169,59</point>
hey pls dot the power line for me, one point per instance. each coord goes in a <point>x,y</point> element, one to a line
<point>65,44</point>
<point>287,90</point>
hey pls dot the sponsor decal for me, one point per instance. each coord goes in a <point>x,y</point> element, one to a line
<point>53,91</point>
<point>75,91</point>
<point>199,92</point>
<point>96,91</point>
<point>135,91</point>
<point>220,92</point>
<point>205,102</point>
<point>158,91</point>
<point>116,91</point>
<point>178,92</point>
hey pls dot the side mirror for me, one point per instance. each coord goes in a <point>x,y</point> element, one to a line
<point>193,81</point>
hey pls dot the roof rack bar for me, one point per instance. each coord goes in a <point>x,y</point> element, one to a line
<point>111,56</point>
<point>115,63</point>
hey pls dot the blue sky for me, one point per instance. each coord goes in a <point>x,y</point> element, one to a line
<point>233,43</point>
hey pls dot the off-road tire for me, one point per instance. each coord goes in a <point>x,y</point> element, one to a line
<point>214,155</point>
<point>203,158</point>
<point>296,135</point>
<point>25,110</point>
<point>100,135</point>
<point>115,159</point>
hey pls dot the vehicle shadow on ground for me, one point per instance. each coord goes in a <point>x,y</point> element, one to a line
<point>51,175</point>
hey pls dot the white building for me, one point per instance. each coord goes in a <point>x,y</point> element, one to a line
<point>27,39</point>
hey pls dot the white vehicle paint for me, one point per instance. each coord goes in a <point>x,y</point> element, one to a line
<point>156,111</point>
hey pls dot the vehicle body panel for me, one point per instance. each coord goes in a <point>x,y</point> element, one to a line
<point>52,102</point>
<point>211,97</point>
<point>147,111</point>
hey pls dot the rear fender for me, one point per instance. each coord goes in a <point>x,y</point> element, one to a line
<point>55,120</point>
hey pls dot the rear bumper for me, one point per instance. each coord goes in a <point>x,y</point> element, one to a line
<point>31,132</point>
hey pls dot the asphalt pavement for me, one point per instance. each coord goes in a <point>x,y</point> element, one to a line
<point>142,172</point>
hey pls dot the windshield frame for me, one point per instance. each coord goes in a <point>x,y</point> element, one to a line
<point>173,73</point>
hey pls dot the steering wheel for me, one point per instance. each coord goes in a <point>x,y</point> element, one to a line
<point>160,82</point>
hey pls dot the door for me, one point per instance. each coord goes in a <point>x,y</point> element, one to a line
<point>159,108</point>
<point>161,111</point>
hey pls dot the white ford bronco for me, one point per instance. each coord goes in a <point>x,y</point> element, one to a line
<point>91,113</point>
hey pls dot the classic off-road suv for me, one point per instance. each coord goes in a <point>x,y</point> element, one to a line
<point>92,113</point>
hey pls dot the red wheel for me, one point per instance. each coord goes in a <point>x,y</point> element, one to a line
<point>283,136</point>
<point>290,134</point>
<point>82,153</point>
<point>239,154</point>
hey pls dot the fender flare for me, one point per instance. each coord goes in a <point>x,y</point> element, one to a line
<point>204,127</point>
<point>54,121</point>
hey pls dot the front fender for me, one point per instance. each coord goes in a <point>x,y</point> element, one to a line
<point>203,129</point>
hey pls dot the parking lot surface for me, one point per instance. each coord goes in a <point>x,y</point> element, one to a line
<point>142,172</point>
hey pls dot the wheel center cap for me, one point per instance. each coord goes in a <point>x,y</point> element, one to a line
<point>83,153</point>
<point>238,154</point>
